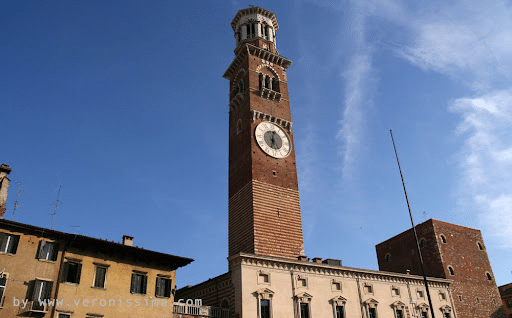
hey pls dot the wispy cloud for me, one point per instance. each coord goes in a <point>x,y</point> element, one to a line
<point>358,91</point>
<point>471,41</point>
<point>486,159</point>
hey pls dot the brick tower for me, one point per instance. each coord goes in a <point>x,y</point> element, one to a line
<point>264,210</point>
<point>448,251</point>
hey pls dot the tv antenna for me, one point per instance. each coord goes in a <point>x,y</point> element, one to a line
<point>16,205</point>
<point>55,206</point>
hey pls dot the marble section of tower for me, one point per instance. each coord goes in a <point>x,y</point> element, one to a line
<point>264,209</point>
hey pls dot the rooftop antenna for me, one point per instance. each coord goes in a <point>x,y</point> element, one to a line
<point>414,229</point>
<point>78,228</point>
<point>55,206</point>
<point>16,205</point>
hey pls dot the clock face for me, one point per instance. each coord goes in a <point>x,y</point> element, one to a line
<point>272,139</point>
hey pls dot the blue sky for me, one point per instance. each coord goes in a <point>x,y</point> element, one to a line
<point>123,104</point>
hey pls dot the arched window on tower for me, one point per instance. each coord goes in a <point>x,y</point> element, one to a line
<point>275,84</point>
<point>261,81</point>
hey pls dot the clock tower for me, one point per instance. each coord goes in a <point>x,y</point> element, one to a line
<point>264,209</point>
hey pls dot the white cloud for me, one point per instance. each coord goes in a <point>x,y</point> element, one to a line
<point>357,97</point>
<point>470,40</point>
<point>486,161</point>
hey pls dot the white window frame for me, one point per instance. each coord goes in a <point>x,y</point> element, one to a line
<point>398,305</point>
<point>105,267</point>
<point>303,298</point>
<point>371,303</point>
<point>423,308</point>
<point>49,254</point>
<point>12,239</point>
<point>338,301</point>
<point>265,294</point>
<point>3,287</point>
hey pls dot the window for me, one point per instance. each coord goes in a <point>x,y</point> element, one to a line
<point>460,297</point>
<point>395,291</point>
<point>304,310</point>
<point>302,282</point>
<point>443,239</point>
<point>442,296</point>
<point>64,316</point>
<point>421,294</point>
<point>494,301</point>
<point>99,277</point>
<point>399,313</point>
<point>48,251</point>
<point>72,271</point>
<point>42,292</point>
<point>489,278</point>
<point>480,246</point>
<point>263,277</point>
<point>424,314</point>
<point>368,289</point>
<point>372,313</point>
<point>163,287</point>
<point>336,286</point>
<point>265,302</point>
<point>9,243</point>
<point>478,300</point>
<point>139,283</point>
<point>265,308</point>
<point>388,258</point>
<point>446,315</point>
<point>3,281</point>
<point>451,271</point>
<point>340,313</point>
<point>423,243</point>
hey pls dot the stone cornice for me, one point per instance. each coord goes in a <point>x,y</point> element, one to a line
<point>252,10</point>
<point>330,270</point>
<point>256,51</point>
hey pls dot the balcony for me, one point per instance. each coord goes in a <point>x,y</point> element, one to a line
<point>34,306</point>
<point>182,310</point>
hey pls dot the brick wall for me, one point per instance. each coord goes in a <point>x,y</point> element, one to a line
<point>474,290</point>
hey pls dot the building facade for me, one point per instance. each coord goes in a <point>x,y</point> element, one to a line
<point>47,273</point>
<point>449,251</point>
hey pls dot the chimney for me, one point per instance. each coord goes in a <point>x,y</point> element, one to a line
<point>127,240</point>
<point>4,184</point>
<point>317,260</point>
<point>302,258</point>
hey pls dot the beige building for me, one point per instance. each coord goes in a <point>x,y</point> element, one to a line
<point>47,273</point>
<point>270,287</point>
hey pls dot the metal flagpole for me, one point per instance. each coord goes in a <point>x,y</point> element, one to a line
<point>413,228</point>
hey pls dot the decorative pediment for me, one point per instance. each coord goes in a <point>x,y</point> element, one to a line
<point>338,301</point>
<point>423,307</point>
<point>371,303</point>
<point>398,304</point>
<point>446,309</point>
<point>304,297</point>
<point>265,293</point>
